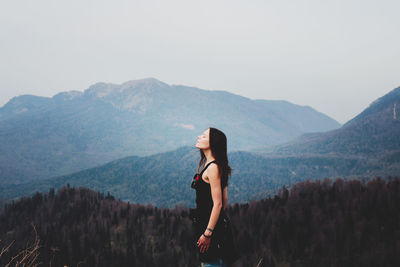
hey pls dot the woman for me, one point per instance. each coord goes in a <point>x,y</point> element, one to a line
<point>211,198</point>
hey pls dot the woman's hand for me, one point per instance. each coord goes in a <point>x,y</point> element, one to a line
<point>203,243</point>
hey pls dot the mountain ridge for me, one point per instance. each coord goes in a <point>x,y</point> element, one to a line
<point>45,137</point>
<point>164,179</point>
<point>374,130</point>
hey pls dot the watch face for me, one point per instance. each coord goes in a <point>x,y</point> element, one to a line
<point>195,180</point>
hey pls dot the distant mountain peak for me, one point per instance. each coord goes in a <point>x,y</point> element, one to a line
<point>373,132</point>
<point>103,90</point>
<point>387,102</point>
<point>146,81</point>
<point>23,103</point>
<point>389,97</point>
<point>68,95</point>
<point>100,89</point>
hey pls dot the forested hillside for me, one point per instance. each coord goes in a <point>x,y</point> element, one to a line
<point>375,132</point>
<point>320,223</point>
<point>164,179</point>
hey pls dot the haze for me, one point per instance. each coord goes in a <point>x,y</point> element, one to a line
<point>335,56</point>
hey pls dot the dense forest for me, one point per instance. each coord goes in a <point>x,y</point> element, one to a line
<point>314,223</point>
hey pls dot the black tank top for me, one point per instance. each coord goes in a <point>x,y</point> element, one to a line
<point>204,202</point>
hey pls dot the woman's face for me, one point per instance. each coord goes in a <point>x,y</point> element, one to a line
<point>203,140</point>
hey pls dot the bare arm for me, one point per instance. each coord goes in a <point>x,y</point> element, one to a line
<point>216,194</point>
<point>215,183</point>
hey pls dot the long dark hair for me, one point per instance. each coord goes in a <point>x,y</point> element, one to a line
<point>219,151</point>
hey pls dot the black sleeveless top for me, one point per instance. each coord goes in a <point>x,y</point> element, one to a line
<point>204,202</point>
<point>204,205</point>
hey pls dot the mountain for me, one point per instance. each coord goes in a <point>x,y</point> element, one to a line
<point>44,137</point>
<point>375,132</point>
<point>164,179</point>
<point>364,148</point>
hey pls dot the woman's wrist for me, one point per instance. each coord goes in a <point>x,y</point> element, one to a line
<point>207,236</point>
<point>208,232</point>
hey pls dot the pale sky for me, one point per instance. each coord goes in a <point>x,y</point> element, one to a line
<point>335,56</point>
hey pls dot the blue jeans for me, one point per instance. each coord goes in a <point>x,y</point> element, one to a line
<point>217,263</point>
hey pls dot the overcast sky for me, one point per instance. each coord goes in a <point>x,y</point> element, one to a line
<point>335,56</point>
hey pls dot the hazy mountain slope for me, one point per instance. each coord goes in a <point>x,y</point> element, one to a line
<point>374,132</point>
<point>164,179</point>
<point>44,137</point>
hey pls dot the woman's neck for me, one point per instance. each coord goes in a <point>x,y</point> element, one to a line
<point>209,155</point>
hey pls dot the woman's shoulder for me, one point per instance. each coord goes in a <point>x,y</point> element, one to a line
<point>212,170</point>
<point>213,164</point>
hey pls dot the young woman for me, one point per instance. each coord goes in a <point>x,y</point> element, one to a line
<point>211,197</point>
